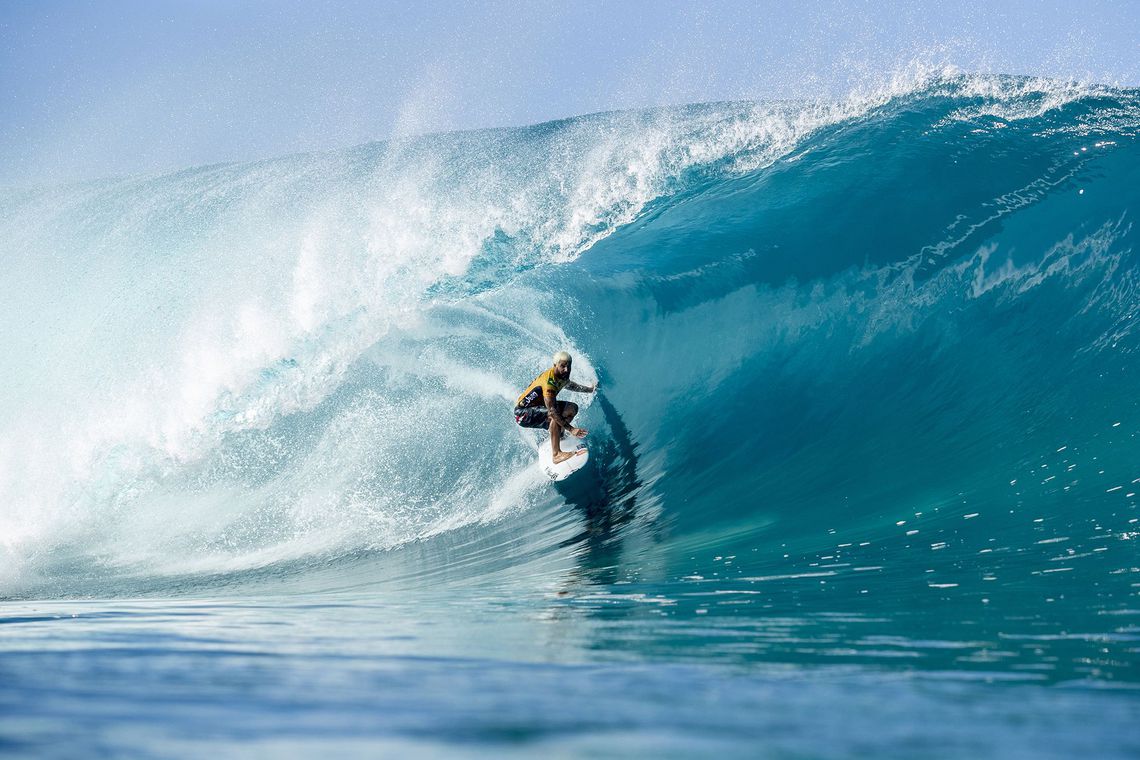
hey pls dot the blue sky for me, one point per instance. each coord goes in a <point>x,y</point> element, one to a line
<point>118,87</point>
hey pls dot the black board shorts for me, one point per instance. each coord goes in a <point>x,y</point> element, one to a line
<point>536,416</point>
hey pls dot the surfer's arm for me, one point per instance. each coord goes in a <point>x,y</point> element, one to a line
<point>554,414</point>
<point>572,386</point>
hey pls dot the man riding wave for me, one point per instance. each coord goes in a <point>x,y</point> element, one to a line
<point>537,407</point>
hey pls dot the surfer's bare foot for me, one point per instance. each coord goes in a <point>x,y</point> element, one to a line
<point>562,456</point>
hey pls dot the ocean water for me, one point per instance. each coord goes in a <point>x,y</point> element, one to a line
<point>864,457</point>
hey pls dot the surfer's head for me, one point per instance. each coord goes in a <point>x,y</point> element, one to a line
<point>562,361</point>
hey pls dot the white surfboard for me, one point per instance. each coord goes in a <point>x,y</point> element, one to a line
<point>566,467</point>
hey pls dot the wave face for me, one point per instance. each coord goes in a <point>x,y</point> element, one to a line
<point>874,357</point>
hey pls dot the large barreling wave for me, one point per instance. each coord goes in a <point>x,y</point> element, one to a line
<point>856,345</point>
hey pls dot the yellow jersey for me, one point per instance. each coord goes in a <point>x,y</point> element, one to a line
<point>547,381</point>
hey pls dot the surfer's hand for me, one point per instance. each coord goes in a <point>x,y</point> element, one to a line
<point>579,432</point>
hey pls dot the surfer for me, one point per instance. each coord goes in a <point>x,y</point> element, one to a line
<point>537,406</point>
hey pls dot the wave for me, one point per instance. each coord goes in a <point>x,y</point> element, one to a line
<point>917,299</point>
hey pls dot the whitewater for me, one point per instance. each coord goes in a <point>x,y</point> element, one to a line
<point>864,459</point>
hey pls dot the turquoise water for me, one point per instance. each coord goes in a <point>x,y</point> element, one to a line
<point>863,464</point>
